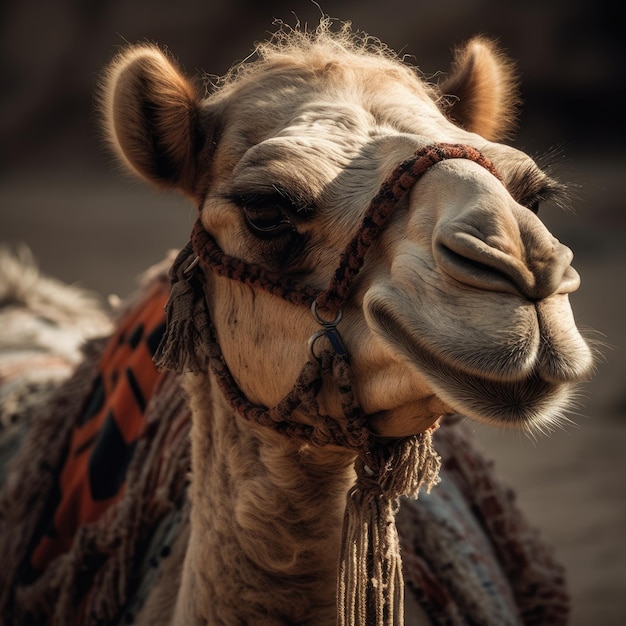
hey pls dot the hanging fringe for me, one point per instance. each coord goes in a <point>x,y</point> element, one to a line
<point>370,583</point>
<point>183,346</point>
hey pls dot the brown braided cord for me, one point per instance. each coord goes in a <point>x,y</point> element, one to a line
<point>196,344</point>
<point>192,346</point>
<point>370,586</point>
<point>401,180</point>
<point>250,274</point>
<point>381,208</point>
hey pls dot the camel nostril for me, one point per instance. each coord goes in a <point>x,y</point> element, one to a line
<point>475,270</point>
<point>536,272</point>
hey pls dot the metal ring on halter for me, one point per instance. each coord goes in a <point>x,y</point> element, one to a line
<point>328,330</point>
<point>320,320</point>
<point>312,341</point>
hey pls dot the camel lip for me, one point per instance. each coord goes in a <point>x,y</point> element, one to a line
<point>489,359</point>
<point>408,419</point>
<point>517,404</point>
<point>528,400</point>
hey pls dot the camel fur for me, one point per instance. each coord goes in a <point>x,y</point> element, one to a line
<point>461,307</point>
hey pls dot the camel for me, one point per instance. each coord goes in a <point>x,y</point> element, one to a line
<point>368,260</point>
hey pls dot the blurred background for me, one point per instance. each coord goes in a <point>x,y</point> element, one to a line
<point>87,223</point>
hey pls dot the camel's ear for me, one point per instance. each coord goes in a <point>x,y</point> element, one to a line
<point>151,116</point>
<point>481,90</point>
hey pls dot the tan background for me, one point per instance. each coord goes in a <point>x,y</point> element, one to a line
<point>61,193</point>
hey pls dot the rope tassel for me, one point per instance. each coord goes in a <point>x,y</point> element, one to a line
<point>185,342</point>
<point>370,583</point>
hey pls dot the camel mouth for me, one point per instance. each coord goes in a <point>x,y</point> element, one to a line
<point>531,402</point>
<point>531,398</point>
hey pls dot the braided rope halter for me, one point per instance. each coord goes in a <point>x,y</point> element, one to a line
<point>370,584</point>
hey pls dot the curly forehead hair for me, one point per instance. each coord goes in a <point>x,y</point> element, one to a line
<point>328,43</point>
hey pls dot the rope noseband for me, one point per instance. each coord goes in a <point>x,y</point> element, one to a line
<point>370,585</point>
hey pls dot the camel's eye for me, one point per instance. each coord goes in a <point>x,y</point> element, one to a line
<point>266,221</point>
<point>269,216</point>
<point>531,187</point>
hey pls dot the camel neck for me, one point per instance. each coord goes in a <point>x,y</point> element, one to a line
<point>266,521</point>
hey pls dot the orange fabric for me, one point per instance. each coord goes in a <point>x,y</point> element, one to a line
<point>92,478</point>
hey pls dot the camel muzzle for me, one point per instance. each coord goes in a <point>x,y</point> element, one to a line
<point>472,261</point>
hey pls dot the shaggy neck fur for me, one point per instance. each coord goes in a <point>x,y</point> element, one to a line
<point>265,525</point>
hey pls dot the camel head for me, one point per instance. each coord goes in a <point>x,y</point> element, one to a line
<point>462,301</point>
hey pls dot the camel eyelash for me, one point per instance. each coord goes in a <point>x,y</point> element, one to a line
<point>292,205</point>
<point>531,187</point>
